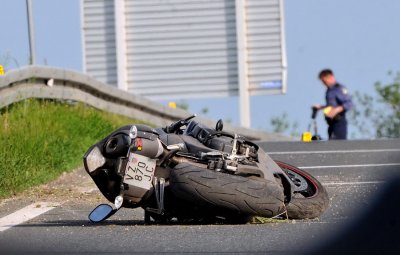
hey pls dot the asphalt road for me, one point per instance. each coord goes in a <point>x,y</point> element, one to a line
<point>355,173</point>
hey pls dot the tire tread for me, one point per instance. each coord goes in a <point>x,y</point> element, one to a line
<point>227,192</point>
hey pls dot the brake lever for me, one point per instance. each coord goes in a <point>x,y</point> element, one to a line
<point>175,126</point>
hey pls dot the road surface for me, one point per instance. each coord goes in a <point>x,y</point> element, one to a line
<point>354,173</point>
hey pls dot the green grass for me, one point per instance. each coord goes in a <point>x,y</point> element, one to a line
<point>39,140</point>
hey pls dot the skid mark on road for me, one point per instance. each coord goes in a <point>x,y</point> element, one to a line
<point>25,214</point>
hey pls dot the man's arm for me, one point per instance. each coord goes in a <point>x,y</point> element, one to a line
<point>335,111</point>
<point>344,100</point>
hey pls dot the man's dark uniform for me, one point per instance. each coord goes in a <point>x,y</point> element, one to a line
<point>337,96</point>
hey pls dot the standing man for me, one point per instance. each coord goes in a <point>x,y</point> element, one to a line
<point>338,102</point>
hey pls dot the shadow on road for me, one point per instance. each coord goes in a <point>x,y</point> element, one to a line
<point>376,231</point>
<point>81,223</point>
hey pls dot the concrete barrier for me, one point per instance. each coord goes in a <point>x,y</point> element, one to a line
<point>55,83</point>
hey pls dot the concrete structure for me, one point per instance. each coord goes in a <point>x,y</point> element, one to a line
<point>54,83</point>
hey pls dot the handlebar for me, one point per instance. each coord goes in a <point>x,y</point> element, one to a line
<point>177,125</point>
<point>314,112</point>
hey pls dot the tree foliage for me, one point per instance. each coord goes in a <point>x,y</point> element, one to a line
<point>182,105</point>
<point>378,116</point>
<point>6,60</point>
<point>281,124</point>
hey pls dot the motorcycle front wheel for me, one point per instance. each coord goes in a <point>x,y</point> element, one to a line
<point>310,198</point>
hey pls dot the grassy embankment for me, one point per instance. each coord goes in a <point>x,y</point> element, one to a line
<point>39,140</point>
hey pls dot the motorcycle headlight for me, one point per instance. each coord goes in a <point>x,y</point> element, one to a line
<point>94,159</point>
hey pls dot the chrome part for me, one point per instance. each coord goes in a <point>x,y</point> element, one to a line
<point>231,168</point>
<point>133,132</point>
<point>95,159</point>
<point>212,154</point>
<point>233,155</point>
<point>132,135</point>
<point>118,201</point>
<point>234,149</point>
<point>159,187</point>
<point>178,146</point>
<point>160,148</point>
<point>161,198</point>
<point>156,189</point>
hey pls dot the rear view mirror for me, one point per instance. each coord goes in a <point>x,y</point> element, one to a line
<point>220,125</point>
<point>101,212</point>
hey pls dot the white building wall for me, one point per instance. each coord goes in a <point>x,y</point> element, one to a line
<point>98,32</point>
<point>179,48</point>
<point>183,48</point>
<point>266,56</point>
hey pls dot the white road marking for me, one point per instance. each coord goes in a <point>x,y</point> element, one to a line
<point>25,214</point>
<point>344,166</point>
<point>351,183</point>
<point>329,152</point>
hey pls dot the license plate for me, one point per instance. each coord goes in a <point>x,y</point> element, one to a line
<point>139,171</point>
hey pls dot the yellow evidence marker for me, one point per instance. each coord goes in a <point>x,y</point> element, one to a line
<point>172,105</point>
<point>306,136</point>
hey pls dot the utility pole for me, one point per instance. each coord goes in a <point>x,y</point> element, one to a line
<point>31,33</point>
<point>242,62</point>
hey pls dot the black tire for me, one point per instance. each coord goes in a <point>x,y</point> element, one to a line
<point>225,193</point>
<point>310,198</point>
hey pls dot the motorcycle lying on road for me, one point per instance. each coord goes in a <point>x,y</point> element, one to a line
<point>187,172</point>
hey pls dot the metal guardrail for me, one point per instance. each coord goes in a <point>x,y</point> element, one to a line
<point>54,83</point>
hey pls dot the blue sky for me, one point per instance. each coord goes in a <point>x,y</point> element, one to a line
<point>358,39</point>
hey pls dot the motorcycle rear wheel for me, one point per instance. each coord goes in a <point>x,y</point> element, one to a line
<point>226,193</point>
<point>310,198</point>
